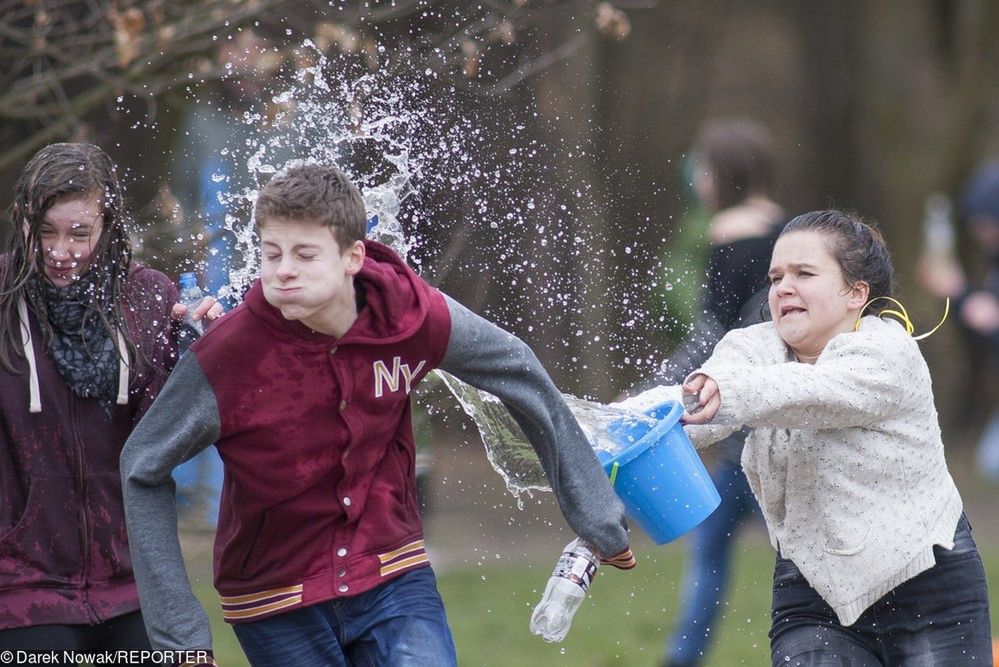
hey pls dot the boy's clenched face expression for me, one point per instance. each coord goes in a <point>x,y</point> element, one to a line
<point>306,275</point>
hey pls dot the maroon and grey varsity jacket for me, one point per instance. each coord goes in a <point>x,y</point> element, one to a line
<point>319,499</point>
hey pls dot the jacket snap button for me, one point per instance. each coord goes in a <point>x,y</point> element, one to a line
<point>343,588</point>
<point>346,501</point>
<point>333,350</point>
<point>343,405</point>
<point>342,551</point>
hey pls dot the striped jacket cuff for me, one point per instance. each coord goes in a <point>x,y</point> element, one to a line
<point>622,561</point>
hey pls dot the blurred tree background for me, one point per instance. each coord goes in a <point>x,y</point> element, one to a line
<point>874,106</point>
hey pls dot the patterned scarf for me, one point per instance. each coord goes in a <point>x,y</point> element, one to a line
<point>81,346</point>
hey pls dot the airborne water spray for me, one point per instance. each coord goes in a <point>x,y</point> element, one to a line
<point>403,144</point>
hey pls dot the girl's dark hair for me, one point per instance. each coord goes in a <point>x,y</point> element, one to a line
<point>740,155</point>
<point>859,249</point>
<point>61,172</point>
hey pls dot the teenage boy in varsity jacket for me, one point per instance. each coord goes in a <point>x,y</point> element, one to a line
<point>304,388</point>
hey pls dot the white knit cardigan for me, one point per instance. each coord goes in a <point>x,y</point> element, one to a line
<point>844,456</point>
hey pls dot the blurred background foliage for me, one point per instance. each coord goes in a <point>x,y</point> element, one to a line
<point>874,107</point>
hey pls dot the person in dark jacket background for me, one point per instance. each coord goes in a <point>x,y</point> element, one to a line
<point>734,178</point>
<point>86,342</point>
<point>975,303</point>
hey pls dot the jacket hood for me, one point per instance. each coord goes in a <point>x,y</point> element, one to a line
<point>392,302</point>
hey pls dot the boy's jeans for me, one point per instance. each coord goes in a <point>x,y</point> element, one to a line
<point>939,618</point>
<point>400,623</point>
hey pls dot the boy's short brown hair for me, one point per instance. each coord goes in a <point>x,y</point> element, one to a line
<point>315,193</point>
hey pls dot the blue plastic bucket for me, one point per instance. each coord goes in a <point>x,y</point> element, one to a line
<point>660,478</point>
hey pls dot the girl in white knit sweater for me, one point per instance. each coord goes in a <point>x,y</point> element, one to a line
<point>876,564</point>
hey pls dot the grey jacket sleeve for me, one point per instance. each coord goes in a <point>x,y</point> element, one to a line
<point>489,358</point>
<point>182,421</point>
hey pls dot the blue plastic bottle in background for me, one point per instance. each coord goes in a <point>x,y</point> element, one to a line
<point>190,295</point>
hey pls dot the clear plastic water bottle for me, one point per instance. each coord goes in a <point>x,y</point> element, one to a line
<point>565,591</point>
<point>190,295</point>
<point>938,226</point>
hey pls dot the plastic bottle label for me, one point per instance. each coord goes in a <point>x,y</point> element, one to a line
<point>577,568</point>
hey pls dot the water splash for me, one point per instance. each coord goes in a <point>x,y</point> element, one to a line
<point>365,123</point>
<point>394,135</point>
<point>508,449</point>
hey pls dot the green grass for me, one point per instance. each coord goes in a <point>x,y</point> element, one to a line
<point>623,622</point>
<point>490,596</point>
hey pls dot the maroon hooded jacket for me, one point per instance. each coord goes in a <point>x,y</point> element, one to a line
<point>319,498</point>
<point>64,556</point>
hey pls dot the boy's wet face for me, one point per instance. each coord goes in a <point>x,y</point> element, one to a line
<point>68,235</point>
<point>305,274</point>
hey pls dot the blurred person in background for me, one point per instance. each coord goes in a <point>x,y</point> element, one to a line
<point>975,304</point>
<point>221,130</point>
<point>733,181</point>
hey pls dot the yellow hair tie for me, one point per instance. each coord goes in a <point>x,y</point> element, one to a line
<point>903,316</point>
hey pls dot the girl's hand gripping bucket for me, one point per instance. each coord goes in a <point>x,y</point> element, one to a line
<point>659,477</point>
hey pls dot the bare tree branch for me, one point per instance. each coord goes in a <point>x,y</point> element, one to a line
<point>545,61</point>
<point>61,59</point>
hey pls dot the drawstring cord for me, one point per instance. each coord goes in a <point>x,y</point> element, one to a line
<point>34,395</point>
<point>903,316</point>
<point>122,369</point>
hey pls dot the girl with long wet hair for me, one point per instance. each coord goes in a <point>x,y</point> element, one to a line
<point>87,338</point>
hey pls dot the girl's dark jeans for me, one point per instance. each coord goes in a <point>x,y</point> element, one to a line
<point>939,617</point>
